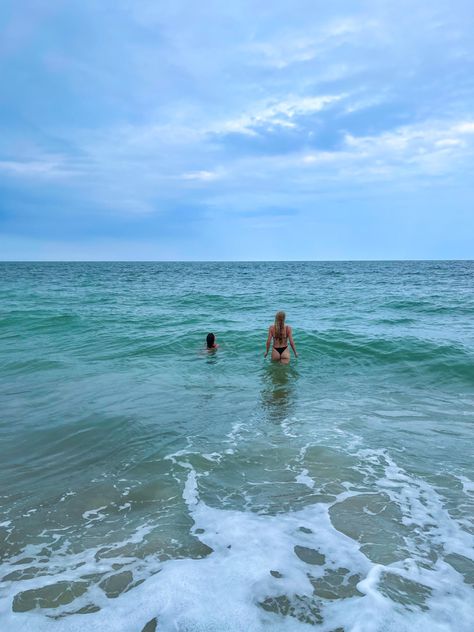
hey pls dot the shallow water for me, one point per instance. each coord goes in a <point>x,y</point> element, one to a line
<point>144,482</point>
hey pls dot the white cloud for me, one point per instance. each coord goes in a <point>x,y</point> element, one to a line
<point>289,48</point>
<point>449,142</point>
<point>274,112</point>
<point>409,151</point>
<point>49,168</point>
<point>403,155</point>
<point>203,176</point>
<point>277,113</point>
<point>319,157</point>
<point>464,128</point>
<point>412,140</point>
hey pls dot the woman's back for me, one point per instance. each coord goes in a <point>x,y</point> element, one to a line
<point>280,333</point>
<point>283,336</point>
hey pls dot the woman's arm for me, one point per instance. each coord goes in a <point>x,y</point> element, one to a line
<point>290,336</point>
<point>269,340</point>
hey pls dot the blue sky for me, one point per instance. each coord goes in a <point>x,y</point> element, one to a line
<point>146,130</point>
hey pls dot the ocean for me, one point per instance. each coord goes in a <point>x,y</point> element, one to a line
<point>148,485</point>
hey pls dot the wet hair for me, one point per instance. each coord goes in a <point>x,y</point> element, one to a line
<point>280,331</point>
<point>210,340</point>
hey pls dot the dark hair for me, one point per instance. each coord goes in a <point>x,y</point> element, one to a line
<point>210,340</point>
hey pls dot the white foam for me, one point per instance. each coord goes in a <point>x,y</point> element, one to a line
<point>425,513</point>
<point>222,592</point>
<point>94,514</point>
<point>287,428</point>
<point>66,495</point>
<point>235,434</point>
<point>467,485</point>
<point>214,456</point>
<point>304,479</point>
<point>30,512</point>
<point>190,493</point>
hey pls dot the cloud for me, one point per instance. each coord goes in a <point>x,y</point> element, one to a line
<point>203,176</point>
<point>307,44</point>
<point>46,168</point>
<point>415,142</point>
<point>411,155</point>
<point>464,128</point>
<point>127,111</point>
<point>279,113</point>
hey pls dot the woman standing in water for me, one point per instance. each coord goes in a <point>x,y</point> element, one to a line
<point>281,334</point>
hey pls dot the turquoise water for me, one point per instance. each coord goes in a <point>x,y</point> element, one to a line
<point>148,485</point>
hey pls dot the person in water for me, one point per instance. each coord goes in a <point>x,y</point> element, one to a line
<point>211,342</point>
<point>281,334</point>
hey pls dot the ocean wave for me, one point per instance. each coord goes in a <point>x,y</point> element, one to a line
<point>445,361</point>
<point>431,307</point>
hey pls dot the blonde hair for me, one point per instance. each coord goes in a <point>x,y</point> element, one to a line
<point>279,328</point>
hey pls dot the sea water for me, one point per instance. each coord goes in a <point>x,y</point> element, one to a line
<point>148,485</point>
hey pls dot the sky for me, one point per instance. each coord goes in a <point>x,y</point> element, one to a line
<point>238,130</point>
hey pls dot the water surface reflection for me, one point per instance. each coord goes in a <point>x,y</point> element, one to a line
<point>278,394</point>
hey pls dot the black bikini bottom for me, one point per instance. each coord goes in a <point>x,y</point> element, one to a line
<point>280,349</point>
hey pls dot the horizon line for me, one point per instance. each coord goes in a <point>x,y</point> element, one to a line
<point>232,260</point>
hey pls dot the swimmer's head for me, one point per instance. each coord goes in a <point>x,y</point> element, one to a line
<point>210,340</point>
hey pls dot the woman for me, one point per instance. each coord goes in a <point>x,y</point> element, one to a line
<point>280,333</point>
<point>211,342</point>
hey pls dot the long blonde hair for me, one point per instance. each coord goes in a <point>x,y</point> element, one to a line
<point>279,327</point>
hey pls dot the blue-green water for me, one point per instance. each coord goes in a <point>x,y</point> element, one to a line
<point>145,482</point>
